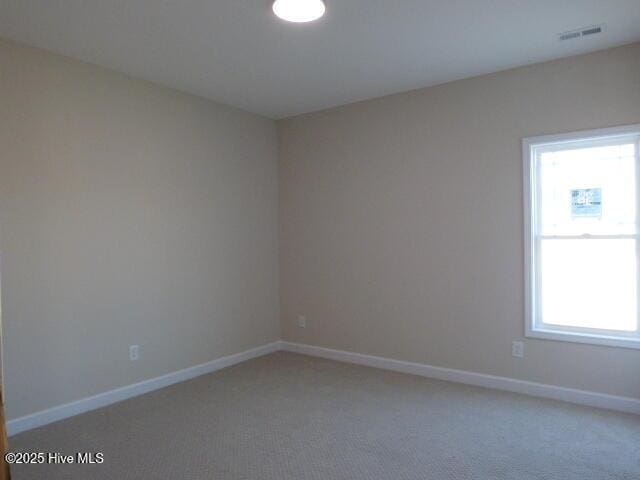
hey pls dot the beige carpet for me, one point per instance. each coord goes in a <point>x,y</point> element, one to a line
<point>288,416</point>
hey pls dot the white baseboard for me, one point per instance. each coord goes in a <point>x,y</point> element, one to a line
<point>581,397</point>
<point>60,412</point>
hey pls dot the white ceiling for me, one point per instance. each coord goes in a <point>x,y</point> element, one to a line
<point>237,52</point>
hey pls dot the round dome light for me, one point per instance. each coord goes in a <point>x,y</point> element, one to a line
<point>299,11</point>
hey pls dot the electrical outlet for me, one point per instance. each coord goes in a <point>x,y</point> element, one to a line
<point>517,349</point>
<point>134,352</point>
<point>302,321</point>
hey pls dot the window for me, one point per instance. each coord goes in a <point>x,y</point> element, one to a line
<point>581,236</point>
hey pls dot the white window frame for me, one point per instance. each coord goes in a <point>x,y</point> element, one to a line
<point>534,328</point>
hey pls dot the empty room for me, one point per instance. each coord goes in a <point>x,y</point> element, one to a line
<point>320,239</point>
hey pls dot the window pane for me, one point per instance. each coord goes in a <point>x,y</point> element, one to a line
<point>588,190</point>
<point>589,283</point>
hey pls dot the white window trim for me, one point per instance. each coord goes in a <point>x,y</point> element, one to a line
<point>561,333</point>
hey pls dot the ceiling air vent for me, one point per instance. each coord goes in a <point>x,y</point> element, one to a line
<point>581,32</point>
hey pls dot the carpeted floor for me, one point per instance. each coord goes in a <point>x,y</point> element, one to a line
<point>288,416</point>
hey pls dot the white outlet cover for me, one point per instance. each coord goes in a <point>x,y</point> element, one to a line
<point>302,321</point>
<point>134,352</point>
<point>517,349</point>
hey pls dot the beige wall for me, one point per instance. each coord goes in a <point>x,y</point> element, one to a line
<point>401,220</point>
<point>134,214</point>
<point>129,214</point>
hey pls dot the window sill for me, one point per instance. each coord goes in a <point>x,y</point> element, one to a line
<point>580,337</point>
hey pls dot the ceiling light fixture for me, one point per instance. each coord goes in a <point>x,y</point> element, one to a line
<point>299,11</point>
